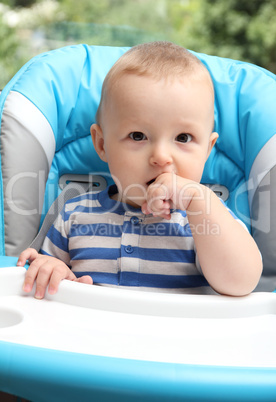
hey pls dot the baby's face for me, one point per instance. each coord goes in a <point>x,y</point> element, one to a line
<point>152,127</point>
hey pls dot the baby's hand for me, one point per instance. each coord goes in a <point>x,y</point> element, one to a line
<point>46,270</point>
<point>169,191</point>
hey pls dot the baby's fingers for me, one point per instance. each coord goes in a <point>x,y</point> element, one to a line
<point>59,273</point>
<point>85,279</point>
<point>158,198</point>
<point>161,208</point>
<point>39,271</point>
<point>30,254</point>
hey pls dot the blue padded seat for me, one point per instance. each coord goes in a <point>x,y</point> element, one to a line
<point>46,113</point>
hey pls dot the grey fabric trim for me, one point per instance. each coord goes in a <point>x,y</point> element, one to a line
<point>264,162</point>
<point>263,214</point>
<point>19,108</point>
<point>262,202</point>
<point>25,169</point>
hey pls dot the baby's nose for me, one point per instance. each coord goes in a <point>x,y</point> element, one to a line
<point>161,156</point>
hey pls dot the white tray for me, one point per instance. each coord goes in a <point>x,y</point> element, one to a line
<point>102,321</point>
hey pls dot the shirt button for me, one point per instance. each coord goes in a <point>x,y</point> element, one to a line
<point>129,249</point>
<point>134,220</point>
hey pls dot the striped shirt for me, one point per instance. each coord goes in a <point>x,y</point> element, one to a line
<point>118,245</point>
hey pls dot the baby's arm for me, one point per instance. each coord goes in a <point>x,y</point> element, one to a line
<point>230,259</point>
<point>46,270</point>
<point>228,255</point>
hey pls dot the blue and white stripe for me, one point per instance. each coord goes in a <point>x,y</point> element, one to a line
<point>118,245</point>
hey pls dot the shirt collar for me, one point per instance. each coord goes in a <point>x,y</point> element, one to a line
<point>115,206</point>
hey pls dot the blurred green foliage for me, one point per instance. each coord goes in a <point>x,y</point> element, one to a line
<point>239,29</point>
<point>9,44</point>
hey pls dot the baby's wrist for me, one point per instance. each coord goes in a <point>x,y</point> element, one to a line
<point>200,201</point>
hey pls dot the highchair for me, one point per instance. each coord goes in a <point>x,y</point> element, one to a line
<point>174,346</point>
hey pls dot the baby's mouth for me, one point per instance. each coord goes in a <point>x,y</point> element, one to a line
<point>150,181</point>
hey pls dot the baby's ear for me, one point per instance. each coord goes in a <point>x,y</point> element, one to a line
<point>98,140</point>
<point>212,140</point>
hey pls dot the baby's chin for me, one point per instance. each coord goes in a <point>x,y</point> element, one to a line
<point>134,201</point>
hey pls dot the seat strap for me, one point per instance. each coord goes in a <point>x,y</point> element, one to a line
<point>72,189</point>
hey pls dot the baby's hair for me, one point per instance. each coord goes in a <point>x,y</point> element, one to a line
<point>159,60</point>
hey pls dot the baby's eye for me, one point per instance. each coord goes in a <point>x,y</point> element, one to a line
<point>137,136</point>
<point>183,137</point>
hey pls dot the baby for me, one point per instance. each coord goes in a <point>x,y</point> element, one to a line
<point>157,227</point>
